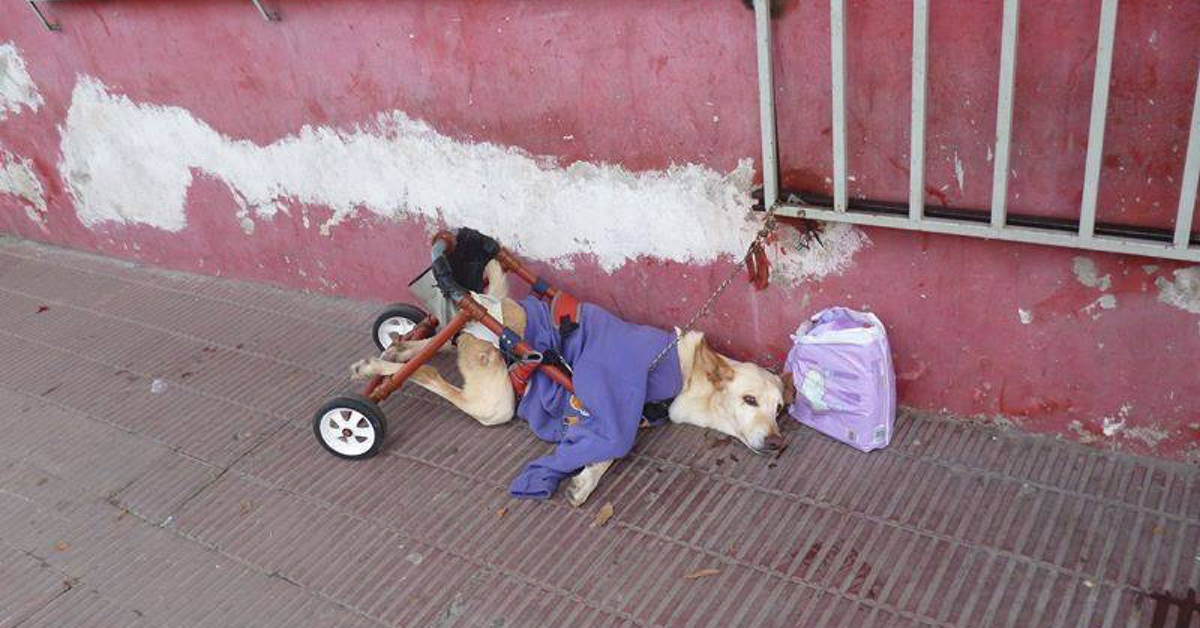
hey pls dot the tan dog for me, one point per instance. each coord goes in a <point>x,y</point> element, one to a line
<point>735,398</point>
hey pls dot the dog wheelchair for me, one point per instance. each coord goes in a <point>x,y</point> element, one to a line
<point>353,426</point>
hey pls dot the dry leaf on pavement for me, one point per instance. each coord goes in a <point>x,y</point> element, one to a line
<point>702,573</point>
<point>603,515</point>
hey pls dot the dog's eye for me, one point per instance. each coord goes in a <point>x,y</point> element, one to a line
<point>750,400</point>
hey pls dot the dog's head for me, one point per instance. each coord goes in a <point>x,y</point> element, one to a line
<point>740,399</point>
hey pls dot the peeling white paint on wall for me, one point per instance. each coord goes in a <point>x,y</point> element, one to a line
<point>1105,302</point>
<point>16,87</point>
<point>1151,435</point>
<point>958,171</point>
<point>18,179</point>
<point>128,162</point>
<point>1086,274</point>
<point>1183,292</point>
<point>1076,427</point>
<point>796,258</point>
<point>1118,425</point>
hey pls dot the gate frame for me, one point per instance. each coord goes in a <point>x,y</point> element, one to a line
<point>997,224</point>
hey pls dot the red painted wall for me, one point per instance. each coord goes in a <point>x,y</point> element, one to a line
<point>648,84</point>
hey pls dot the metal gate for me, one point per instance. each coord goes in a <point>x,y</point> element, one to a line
<point>1083,233</point>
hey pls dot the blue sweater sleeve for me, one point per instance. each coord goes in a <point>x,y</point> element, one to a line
<point>614,401</point>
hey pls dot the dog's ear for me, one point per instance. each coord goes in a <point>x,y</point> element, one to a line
<point>714,367</point>
<point>789,388</point>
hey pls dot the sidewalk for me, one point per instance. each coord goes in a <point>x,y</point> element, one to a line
<point>157,468</point>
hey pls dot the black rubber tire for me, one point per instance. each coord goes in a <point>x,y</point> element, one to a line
<point>395,310</point>
<point>362,405</point>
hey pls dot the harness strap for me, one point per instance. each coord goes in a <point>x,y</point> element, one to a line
<point>564,316</point>
<point>520,374</point>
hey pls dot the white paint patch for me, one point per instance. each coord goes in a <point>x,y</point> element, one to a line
<point>16,87</point>
<point>1025,315</point>
<point>1084,436</point>
<point>1112,426</point>
<point>127,162</point>
<point>958,171</point>
<point>1183,292</point>
<point>1086,274</point>
<point>1150,435</point>
<point>797,257</point>
<point>18,179</point>
<point>1105,302</point>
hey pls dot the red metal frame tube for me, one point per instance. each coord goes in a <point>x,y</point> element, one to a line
<point>467,305</point>
<point>510,263</point>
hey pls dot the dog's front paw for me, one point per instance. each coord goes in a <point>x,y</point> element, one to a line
<point>363,369</point>
<point>400,352</point>
<point>579,488</point>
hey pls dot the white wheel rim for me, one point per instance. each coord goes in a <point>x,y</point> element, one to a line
<point>394,327</point>
<point>347,431</point>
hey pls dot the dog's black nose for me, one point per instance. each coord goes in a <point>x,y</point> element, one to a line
<point>773,442</point>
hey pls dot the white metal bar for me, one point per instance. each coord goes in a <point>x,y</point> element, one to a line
<point>984,230</point>
<point>1004,107</point>
<point>766,103</point>
<point>837,69</point>
<point>1091,173</point>
<point>916,159</point>
<point>1191,178</point>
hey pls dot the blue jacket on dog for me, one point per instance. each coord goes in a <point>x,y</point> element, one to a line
<point>610,359</point>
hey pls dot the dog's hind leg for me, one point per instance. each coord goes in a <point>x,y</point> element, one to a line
<point>581,485</point>
<point>486,395</point>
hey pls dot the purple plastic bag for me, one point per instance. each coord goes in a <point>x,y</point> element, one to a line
<point>845,384</point>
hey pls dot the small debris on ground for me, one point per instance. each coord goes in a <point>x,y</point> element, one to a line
<point>716,441</point>
<point>157,386</point>
<point>121,515</point>
<point>502,512</point>
<point>603,515</point>
<point>62,546</point>
<point>702,573</point>
<point>246,507</point>
<point>43,308</point>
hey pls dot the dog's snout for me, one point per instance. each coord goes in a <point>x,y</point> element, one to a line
<point>773,442</point>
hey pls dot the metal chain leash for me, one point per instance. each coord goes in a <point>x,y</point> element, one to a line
<point>759,239</point>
